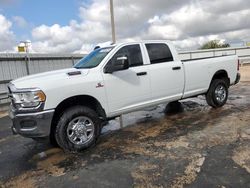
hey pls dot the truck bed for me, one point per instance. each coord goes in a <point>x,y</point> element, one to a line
<point>199,72</point>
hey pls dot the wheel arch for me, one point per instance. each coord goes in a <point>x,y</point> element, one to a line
<point>85,100</point>
<point>221,74</point>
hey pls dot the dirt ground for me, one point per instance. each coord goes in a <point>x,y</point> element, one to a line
<point>199,147</point>
<point>245,73</point>
<point>3,114</point>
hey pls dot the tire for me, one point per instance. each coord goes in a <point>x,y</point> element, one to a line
<point>174,107</point>
<point>78,128</point>
<point>52,140</point>
<point>217,94</point>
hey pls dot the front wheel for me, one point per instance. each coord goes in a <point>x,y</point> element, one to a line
<point>217,94</point>
<point>78,129</point>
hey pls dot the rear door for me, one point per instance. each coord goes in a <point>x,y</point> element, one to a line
<point>126,90</point>
<point>166,73</point>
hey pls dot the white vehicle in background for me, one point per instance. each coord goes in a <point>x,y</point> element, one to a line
<point>69,106</point>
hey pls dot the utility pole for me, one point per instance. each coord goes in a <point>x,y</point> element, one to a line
<point>112,21</point>
<point>26,49</point>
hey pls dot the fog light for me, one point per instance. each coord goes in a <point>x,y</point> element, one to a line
<point>27,124</point>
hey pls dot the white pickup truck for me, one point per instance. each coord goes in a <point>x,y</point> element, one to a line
<point>69,106</point>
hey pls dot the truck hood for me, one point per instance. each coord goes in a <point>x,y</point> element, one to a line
<point>47,78</point>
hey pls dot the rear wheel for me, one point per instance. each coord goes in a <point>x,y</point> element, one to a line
<point>218,93</point>
<point>78,129</point>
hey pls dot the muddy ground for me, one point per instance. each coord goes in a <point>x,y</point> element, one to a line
<point>200,147</point>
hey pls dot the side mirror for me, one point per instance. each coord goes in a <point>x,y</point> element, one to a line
<point>120,63</point>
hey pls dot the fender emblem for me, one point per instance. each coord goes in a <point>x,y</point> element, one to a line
<point>99,85</point>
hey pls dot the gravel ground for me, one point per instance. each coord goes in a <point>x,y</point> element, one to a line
<point>199,147</point>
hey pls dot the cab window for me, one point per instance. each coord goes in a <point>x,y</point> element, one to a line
<point>159,53</point>
<point>133,53</point>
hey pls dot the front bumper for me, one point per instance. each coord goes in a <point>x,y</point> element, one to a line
<point>32,125</point>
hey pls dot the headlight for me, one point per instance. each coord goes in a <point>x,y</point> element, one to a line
<point>28,99</point>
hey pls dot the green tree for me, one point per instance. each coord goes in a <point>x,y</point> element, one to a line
<point>214,44</point>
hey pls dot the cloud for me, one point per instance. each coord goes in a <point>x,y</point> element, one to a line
<point>131,20</point>
<point>189,23</point>
<point>7,37</point>
<point>77,36</point>
<point>222,7</point>
<point>20,21</point>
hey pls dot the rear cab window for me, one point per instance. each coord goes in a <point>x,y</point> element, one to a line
<point>159,53</point>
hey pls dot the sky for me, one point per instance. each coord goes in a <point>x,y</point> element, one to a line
<point>76,26</point>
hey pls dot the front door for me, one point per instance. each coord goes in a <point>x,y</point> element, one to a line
<point>127,89</point>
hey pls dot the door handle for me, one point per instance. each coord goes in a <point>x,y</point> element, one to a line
<point>176,68</point>
<point>141,73</point>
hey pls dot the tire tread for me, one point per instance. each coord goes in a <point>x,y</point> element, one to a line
<point>210,94</point>
<point>60,132</point>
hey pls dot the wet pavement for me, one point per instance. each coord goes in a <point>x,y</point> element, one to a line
<point>199,147</point>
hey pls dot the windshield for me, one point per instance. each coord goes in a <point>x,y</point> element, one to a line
<point>93,59</point>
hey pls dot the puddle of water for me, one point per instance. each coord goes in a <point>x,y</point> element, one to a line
<point>154,113</point>
<point>134,118</point>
